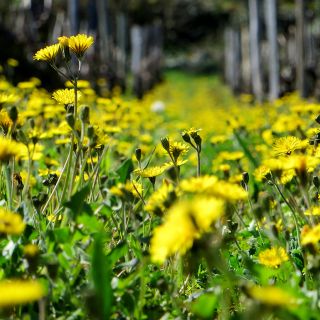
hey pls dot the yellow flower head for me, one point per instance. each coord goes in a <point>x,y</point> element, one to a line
<point>131,188</point>
<point>273,257</point>
<point>80,43</point>
<point>310,235</point>
<point>313,211</point>
<point>272,296</point>
<point>16,292</point>
<point>63,41</point>
<point>31,250</point>
<point>48,53</point>
<point>65,96</point>
<point>185,222</point>
<point>286,145</point>
<point>10,222</point>
<point>150,172</point>
<point>10,149</point>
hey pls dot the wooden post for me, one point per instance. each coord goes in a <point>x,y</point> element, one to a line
<point>271,25</point>
<point>254,33</point>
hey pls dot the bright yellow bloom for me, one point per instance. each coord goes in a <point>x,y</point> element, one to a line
<point>313,211</point>
<point>230,156</point>
<point>286,145</point>
<point>261,172</point>
<point>272,296</point>
<point>185,222</point>
<point>16,292</point>
<point>161,199</point>
<point>31,250</point>
<point>132,188</point>
<point>63,41</point>
<point>273,257</point>
<point>211,186</point>
<point>80,43</point>
<point>65,96</point>
<point>310,235</point>
<point>10,149</point>
<point>48,53</point>
<point>10,222</point>
<point>150,172</point>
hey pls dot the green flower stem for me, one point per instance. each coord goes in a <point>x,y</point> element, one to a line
<point>66,164</point>
<point>292,210</point>
<point>198,162</point>
<point>6,171</point>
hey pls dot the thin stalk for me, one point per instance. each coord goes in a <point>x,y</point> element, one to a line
<point>6,171</point>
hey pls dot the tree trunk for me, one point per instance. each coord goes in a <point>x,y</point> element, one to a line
<point>254,30</point>
<point>233,57</point>
<point>121,48</point>
<point>300,48</point>
<point>271,25</point>
<point>73,9</point>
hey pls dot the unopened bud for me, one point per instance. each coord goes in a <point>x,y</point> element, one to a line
<point>316,181</point>
<point>317,119</point>
<point>13,113</point>
<point>245,177</point>
<point>138,154</point>
<point>165,144</point>
<point>90,131</point>
<point>186,137</point>
<point>70,119</point>
<point>84,114</point>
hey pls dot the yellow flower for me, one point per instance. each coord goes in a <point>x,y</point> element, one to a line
<point>16,292</point>
<point>150,172</point>
<point>310,235</point>
<point>161,199</point>
<point>31,250</point>
<point>129,188</point>
<point>211,186</point>
<point>63,41</point>
<point>313,211</point>
<point>261,172</point>
<point>231,156</point>
<point>286,145</point>
<point>185,222</point>
<point>65,96</point>
<point>48,53</point>
<point>80,43</point>
<point>273,257</point>
<point>10,222</point>
<point>272,296</point>
<point>10,149</point>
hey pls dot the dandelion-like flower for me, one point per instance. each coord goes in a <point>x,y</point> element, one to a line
<point>185,222</point>
<point>310,235</point>
<point>150,172</point>
<point>48,53</point>
<point>10,149</point>
<point>65,96</point>
<point>10,222</point>
<point>286,145</point>
<point>273,257</point>
<point>79,44</point>
<point>16,292</point>
<point>272,296</point>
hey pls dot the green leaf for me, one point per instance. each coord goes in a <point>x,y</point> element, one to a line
<point>118,252</point>
<point>90,223</point>
<point>77,202</point>
<point>124,170</point>
<point>205,306</point>
<point>101,274</point>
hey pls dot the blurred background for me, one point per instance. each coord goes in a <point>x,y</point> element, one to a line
<point>263,47</point>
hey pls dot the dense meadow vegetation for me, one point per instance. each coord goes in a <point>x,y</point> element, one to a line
<point>187,204</point>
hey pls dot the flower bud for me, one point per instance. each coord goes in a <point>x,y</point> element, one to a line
<point>70,119</point>
<point>84,114</point>
<point>165,144</point>
<point>13,113</point>
<point>138,154</point>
